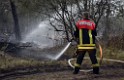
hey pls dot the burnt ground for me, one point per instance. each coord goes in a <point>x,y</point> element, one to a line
<point>108,71</point>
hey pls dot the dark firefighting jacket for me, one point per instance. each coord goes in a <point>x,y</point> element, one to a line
<point>86,33</point>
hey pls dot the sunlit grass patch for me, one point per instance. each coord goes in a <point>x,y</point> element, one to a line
<point>113,53</point>
<point>122,79</point>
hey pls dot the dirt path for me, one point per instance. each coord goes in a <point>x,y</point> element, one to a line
<point>67,75</point>
<point>109,71</point>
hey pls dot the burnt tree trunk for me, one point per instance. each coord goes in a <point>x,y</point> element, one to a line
<point>16,22</point>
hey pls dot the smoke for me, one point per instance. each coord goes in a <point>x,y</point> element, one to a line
<point>41,35</point>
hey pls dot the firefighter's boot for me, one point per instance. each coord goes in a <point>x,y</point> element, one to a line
<point>95,70</point>
<point>76,70</point>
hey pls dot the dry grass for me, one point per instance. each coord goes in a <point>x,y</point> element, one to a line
<point>113,53</point>
<point>108,52</point>
<point>122,79</point>
<point>9,62</point>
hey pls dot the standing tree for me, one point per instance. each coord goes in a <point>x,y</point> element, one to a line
<point>63,9</point>
<point>16,22</point>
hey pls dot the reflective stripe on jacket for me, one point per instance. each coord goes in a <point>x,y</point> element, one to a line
<point>87,34</point>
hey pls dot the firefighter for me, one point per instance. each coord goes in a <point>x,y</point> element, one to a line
<point>86,33</point>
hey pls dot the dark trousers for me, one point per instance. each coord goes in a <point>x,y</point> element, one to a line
<point>92,55</point>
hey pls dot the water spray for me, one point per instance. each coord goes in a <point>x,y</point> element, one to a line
<point>62,52</point>
<point>56,57</point>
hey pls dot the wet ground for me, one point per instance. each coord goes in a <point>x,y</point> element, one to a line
<point>108,71</point>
